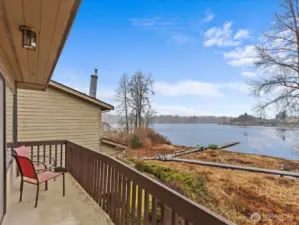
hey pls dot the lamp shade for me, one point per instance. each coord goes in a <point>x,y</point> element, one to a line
<point>28,38</point>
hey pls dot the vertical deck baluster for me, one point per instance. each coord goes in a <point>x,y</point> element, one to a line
<point>146,201</point>
<point>61,154</point>
<point>123,199</point>
<point>107,188</point>
<point>133,202</point>
<point>95,179</point>
<point>110,184</point>
<point>104,186</point>
<point>87,174</point>
<point>154,211</point>
<point>128,208</point>
<point>37,154</point>
<point>50,154</point>
<point>55,163</point>
<point>164,214</point>
<point>76,162</point>
<point>116,197</point>
<point>119,197</point>
<point>139,207</point>
<point>44,153</point>
<point>90,175</point>
<point>31,148</point>
<point>173,218</point>
<point>85,171</point>
<point>81,158</point>
<point>113,195</point>
<point>101,167</point>
<point>68,160</point>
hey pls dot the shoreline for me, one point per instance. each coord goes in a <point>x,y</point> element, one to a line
<point>236,125</point>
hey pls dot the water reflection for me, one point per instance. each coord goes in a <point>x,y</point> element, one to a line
<point>275,140</point>
<point>278,142</point>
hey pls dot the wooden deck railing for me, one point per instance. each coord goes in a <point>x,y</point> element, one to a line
<point>128,196</point>
<point>46,151</point>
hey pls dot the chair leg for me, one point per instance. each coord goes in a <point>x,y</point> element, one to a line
<point>63,183</point>
<point>46,185</point>
<point>21,189</point>
<point>37,192</point>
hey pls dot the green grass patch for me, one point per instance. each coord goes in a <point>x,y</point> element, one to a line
<point>189,184</point>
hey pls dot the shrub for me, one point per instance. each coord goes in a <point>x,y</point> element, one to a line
<point>152,136</point>
<point>136,142</point>
<point>191,185</point>
<point>213,146</point>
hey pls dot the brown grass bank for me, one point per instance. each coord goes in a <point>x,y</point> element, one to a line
<point>234,194</point>
<point>238,194</point>
<point>147,137</point>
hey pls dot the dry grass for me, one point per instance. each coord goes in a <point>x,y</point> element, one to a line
<point>147,136</point>
<point>235,194</point>
<point>223,156</point>
<point>154,150</point>
<point>238,194</point>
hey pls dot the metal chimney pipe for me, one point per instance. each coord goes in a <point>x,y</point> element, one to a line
<point>93,84</point>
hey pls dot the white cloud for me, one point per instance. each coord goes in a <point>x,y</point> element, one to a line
<point>241,34</point>
<point>197,88</point>
<point>180,110</point>
<point>180,88</point>
<point>241,56</point>
<point>236,86</point>
<point>249,74</point>
<point>209,16</point>
<point>217,109</point>
<point>223,36</point>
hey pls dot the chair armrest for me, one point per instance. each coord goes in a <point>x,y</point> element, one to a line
<point>52,159</point>
<point>56,169</point>
<point>44,164</point>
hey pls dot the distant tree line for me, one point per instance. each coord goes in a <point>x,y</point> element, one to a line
<point>190,119</point>
<point>243,119</point>
<point>134,107</point>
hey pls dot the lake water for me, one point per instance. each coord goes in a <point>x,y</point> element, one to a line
<point>269,141</point>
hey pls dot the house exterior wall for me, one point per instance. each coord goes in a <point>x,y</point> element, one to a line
<point>9,115</point>
<point>56,115</point>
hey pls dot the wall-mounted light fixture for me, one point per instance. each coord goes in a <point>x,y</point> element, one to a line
<point>28,37</point>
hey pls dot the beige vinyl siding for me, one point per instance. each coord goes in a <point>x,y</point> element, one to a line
<point>9,117</point>
<point>56,115</point>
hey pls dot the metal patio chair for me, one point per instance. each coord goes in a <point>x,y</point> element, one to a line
<point>29,174</point>
<point>23,151</point>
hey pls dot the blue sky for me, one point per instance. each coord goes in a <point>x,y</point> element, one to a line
<point>199,52</point>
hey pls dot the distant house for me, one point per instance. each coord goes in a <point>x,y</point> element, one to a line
<point>60,112</point>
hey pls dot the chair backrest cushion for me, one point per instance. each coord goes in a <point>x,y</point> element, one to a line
<point>22,151</point>
<point>26,167</point>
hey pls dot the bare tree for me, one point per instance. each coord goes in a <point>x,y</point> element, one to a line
<point>141,89</point>
<point>278,59</point>
<point>149,116</point>
<point>122,96</point>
